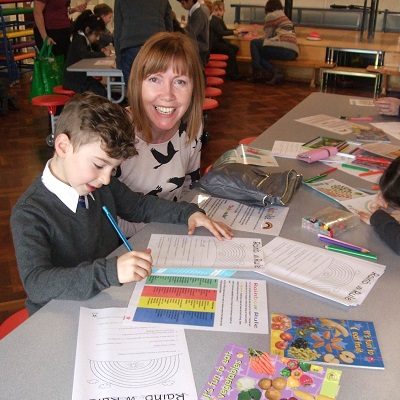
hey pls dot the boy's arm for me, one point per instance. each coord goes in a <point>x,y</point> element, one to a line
<point>387,228</point>
<point>219,27</point>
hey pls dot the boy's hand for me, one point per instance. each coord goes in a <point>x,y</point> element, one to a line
<point>134,266</point>
<point>218,229</point>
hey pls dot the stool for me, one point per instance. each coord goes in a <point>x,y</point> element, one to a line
<point>214,81</point>
<point>218,57</point>
<point>208,104</point>
<point>248,140</point>
<point>212,92</point>
<point>216,64</point>
<point>60,90</point>
<point>214,71</point>
<point>51,101</point>
<point>12,322</point>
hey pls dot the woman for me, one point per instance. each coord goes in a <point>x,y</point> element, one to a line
<point>165,92</point>
<point>279,43</point>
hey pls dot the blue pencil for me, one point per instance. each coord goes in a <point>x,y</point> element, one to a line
<point>117,229</point>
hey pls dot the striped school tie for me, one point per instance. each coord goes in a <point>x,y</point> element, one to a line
<point>82,201</point>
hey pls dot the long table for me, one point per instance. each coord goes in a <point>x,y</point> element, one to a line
<point>37,359</point>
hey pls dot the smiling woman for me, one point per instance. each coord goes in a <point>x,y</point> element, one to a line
<point>165,91</point>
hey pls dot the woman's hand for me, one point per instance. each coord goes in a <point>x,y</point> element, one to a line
<point>218,229</point>
<point>388,105</point>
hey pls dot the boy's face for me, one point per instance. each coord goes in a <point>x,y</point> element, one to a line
<point>187,4</point>
<point>85,169</point>
<point>107,18</point>
<point>219,12</point>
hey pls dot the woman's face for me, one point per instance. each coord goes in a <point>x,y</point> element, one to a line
<point>166,97</point>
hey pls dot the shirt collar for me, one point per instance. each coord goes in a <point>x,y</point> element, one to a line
<point>194,8</point>
<point>67,194</point>
<point>83,34</point>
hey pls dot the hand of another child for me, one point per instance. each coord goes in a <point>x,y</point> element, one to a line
<point>134,266</point>
<point>365,217</point>
<point>388,105</point>
<point>106,51</point>
<point>218,229</point>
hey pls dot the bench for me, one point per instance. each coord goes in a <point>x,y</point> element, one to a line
<point>385,72</point>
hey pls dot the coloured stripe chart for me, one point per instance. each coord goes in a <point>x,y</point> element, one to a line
<point>222,304</point>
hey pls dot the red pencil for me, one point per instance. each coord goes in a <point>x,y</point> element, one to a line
<point>328,171</point>
<point>371,173</point>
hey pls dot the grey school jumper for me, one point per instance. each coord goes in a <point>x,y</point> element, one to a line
<point>61,255</point>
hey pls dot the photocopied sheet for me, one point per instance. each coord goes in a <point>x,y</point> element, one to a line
<point>362,102</point>
<point>108,63</point>
<point>391,128</point>
<point>115,361</point>
<point>331,124</point>
<point>262,220</point>
<point>287,149</point>
<point>221,304</point>
<point>337,277</point>
<point>187,251</point>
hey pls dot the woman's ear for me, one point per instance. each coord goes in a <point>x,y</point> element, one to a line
<point>62,145</point>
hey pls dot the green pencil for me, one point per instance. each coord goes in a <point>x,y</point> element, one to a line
<point>352,166</point>
<point>339,249</point>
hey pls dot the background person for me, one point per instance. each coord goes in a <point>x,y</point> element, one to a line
<point>388,106</point>
<point>105,12</point>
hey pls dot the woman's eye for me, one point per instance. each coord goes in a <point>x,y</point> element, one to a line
<point>181,82</point>
<point>98,166</point>
<point>153,79</point>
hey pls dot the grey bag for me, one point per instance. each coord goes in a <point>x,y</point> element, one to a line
<point>251,185</point>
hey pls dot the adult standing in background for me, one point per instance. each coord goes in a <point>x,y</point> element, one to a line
<point>52,22</point>
<point>134,22</point>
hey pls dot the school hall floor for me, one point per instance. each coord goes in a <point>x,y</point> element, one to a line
<point>246,109</point>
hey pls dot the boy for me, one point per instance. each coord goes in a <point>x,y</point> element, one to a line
<point>105,12</point>
<point>61,237</point>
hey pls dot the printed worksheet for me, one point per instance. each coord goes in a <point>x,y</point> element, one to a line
<point>391,128</point>
<point>360,204</point>
<point>222,304</point>
<point>362,102</point>
<point>287,149</point>
<point>115,361</point>
<point>331,124</point>
<point>187,251</point>
<point>337,277</point>
<point>263,220</point>
<point>108,63</point>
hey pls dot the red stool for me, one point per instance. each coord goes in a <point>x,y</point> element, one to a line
<point>214,71</point>
<point>214,81</point>
<point>218,57</point>
<point>216,64</point>
<point>60,90</point>
<point>51,101</point>
<point>248,140</point>
<point>212,92</point>
<point>12,322</point>
<point>209,104</point>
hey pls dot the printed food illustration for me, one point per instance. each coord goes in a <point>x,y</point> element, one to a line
<point>324,340</point>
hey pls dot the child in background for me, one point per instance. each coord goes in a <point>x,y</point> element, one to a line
<point>105,12</point>
<point>387,227</point>
<point>61,236</point>
<point>86,32</point>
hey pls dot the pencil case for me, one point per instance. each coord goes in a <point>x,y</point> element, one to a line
<point>314,155</point>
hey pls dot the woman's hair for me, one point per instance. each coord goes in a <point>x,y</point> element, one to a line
<point>390,183</point>
<point>273,5</point>
<point>159,52</point>
<point>88,23</point>
<point>102,9</point>
<point>87,118</point>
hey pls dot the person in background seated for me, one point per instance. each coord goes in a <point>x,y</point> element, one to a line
<point>388,106</point>
<point>61,235</point>
<point>279,43</point>
<point>87,29</point>
<point>198,27</point>
<point>387,227</point>
<point>218,44</point>
<point>105,12</point>
<point>165,92</point>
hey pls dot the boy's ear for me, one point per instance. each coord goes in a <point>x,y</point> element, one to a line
<point>62,145</point>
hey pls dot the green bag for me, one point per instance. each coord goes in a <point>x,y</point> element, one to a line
<point>48,71</point>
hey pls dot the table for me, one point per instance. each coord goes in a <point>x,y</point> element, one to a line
<point>37,359</point>
<point>103,66</point>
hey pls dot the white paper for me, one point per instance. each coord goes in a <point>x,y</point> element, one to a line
<point>244,154</point>
<point>360,204</point>
<point>331,124</point>
<point>114,361</point>
<point>218,304</point>
<point>391,128</point>
<point>286,149</point>
<point>362,102</point>
<point>108,63</point>
<point>177,251</point>
<point>263,220</point>
<point>337,277</point>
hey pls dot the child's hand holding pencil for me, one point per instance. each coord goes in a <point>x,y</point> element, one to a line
<point>134,266</point>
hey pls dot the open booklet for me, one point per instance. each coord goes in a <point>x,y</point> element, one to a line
<point>341,278</point>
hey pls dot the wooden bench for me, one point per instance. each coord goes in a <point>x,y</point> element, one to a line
<point>385,72</point>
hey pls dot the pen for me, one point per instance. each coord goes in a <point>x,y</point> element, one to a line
<point>371,173</point>
<point>358,119</point>
<point>341,243</point>
<point>320,176</point>
<point>351,166</point>
<point>338,249</point>
<point>117,229</point>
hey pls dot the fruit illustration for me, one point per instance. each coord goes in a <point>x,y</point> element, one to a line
<point>332,324</point>
<point>286,336</point>
<point>347,357</point>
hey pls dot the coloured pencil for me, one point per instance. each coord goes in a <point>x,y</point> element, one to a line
<point>356,167</point>
<point>342,250</point>
<point>341,243</point>
<point>320,176</point>
<point>117,229</point>
<point>371,173</point>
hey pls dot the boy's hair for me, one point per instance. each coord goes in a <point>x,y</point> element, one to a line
<point>273,5</point>
<point>218,5</point>
<point>102,9</point>
<point>390,183</point>
<point>161,51</point>
<point>88,23</point>
<point>88,117</point>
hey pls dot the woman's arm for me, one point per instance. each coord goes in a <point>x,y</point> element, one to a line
<point>38,8</point>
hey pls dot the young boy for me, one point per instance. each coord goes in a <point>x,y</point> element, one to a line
<point>105,12</point>
<point>61,236</point>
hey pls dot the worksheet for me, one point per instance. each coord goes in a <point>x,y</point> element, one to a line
<point>263,220</point>
<point>331,124</point>
<point>362,102</point>
<point>115,361</point>
<point>391,128</point>
<point>337,277</point>
<point>287,149</point>
<point>189,251</point>
<point>219,304</point>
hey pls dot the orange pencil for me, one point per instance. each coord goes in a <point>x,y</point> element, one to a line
<point>371,173</point>
<point>375,187</point>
